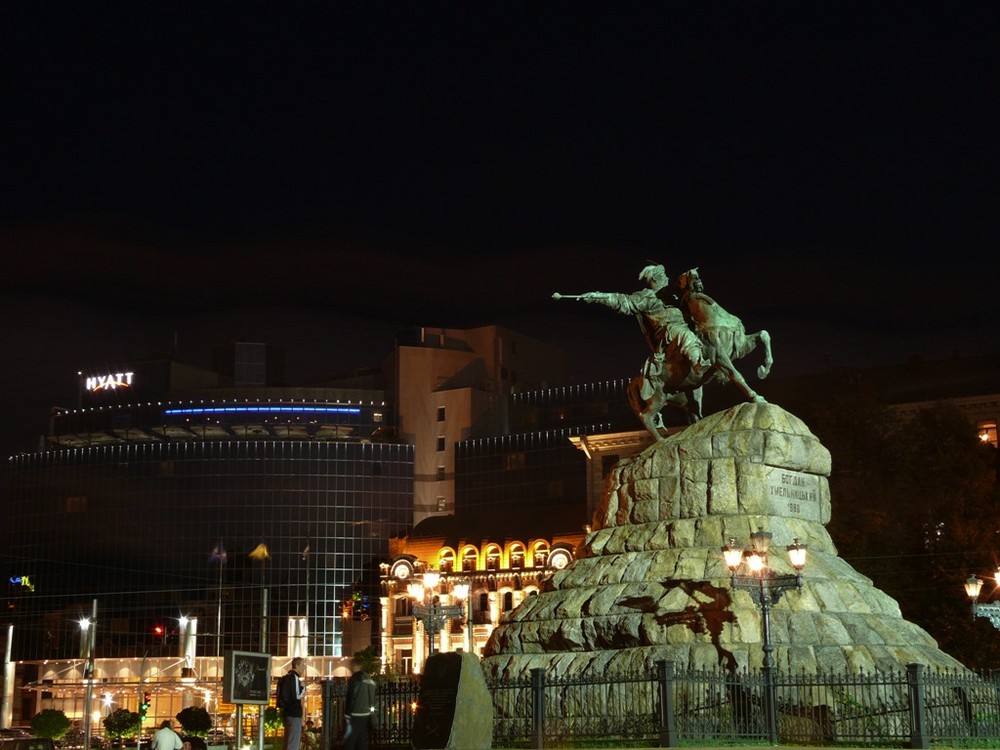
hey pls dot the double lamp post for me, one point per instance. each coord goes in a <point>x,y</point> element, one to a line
<point>434,614</point>
<point>749,571</point>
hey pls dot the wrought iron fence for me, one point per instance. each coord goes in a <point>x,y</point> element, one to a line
<point>665,707</point>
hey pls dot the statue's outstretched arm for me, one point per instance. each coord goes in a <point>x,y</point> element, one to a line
<point>586,297</point>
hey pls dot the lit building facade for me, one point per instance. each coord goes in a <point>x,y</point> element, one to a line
<point>523,502</point>
<point>438,567</point>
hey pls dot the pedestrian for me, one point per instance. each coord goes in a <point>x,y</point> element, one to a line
<point>360,708</point>
<point>166,738</point>
<point>290,692</point>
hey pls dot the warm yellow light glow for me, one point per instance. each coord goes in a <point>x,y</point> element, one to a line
<point>415,590</point>
<point>797,554</point>
<point>756,562</point>
<point>431,579</point>
<point>973,585</point>
<point>461,589</point>
<point>732,555</point>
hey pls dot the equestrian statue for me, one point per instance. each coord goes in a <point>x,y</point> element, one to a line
<point>692,341</point>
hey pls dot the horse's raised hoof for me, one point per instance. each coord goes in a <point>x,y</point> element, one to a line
<point>763,372</point>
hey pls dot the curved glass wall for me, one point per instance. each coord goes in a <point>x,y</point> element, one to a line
<point>157,531</point>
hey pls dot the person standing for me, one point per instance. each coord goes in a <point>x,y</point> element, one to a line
<point>290,692</point>
<point>166,738</point>
<point>360,708</point>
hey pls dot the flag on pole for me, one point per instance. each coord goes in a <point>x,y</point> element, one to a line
<point>260,553</point>
<point>218,554</point>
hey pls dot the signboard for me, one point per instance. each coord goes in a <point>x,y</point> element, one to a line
<point>246,678</point>
<point>792,493</point>
<point>108,381</point>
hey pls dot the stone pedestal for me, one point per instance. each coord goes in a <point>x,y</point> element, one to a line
<point>649,582</point>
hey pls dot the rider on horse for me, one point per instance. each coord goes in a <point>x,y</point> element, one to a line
<point>661,321</point>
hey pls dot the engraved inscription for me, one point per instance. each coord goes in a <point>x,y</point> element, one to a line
<point>792,493</point>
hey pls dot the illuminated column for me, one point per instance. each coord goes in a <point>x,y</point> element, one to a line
<point>6,712</point>
<point>388,618</point>
<point>298,637</point>
<point>418,646</point>
<point>444,637</point>
<point>188,632</point>
<point>494,608</point>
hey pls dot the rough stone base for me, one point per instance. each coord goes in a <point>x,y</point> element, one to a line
<point>649,582</point>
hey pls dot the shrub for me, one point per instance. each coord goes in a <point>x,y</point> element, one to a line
<point>51,723</point>
<point>195,720</point>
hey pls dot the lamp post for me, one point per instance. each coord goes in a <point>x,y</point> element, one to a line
<point>434,614</point>
<point>765,587</point>
<point>88,625</point>
<point>973,585</point>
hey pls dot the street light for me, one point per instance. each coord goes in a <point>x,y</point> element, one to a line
<point>973,585</point>
<point>433,615</point>
<point>765,587</point>
<point>88,626</point>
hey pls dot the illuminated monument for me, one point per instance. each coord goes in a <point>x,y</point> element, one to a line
<point>649,582</point>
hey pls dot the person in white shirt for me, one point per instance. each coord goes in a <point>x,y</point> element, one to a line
<point>166,738</point>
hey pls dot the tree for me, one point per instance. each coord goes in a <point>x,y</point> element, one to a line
<point>914,506</point>
<point>369,660</point>
<point>122,724</point>
<point>195,720</point>
<point>50,723</point>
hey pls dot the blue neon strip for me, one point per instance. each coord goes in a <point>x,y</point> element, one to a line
<point>272,409</point>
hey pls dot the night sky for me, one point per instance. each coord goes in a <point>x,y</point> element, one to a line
<point>180,174</point>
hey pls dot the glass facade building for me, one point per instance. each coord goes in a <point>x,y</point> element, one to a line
<point>248,509</point>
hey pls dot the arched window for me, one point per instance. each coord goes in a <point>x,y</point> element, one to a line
<point>516,556</point>
<point>446,561</point>
<point>493,557</point>
<point>470,559</point>
<point>508,601</point>
<point>540,555</point>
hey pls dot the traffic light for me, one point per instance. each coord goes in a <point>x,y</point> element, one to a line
<point>144,706</point>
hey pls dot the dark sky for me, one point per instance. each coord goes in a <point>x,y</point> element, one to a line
<point>179,174</point>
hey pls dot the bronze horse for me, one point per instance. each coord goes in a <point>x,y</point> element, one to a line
<point>723,339</point>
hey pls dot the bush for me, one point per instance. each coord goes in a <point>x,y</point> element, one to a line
<point>272,720</point>
<point>51,723</point>
<point>195,720</point>
<point>122,724</point>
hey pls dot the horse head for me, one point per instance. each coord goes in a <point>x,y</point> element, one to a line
<point>689,281</point>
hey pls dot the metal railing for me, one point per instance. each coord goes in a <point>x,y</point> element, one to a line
<point>664,707</point>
